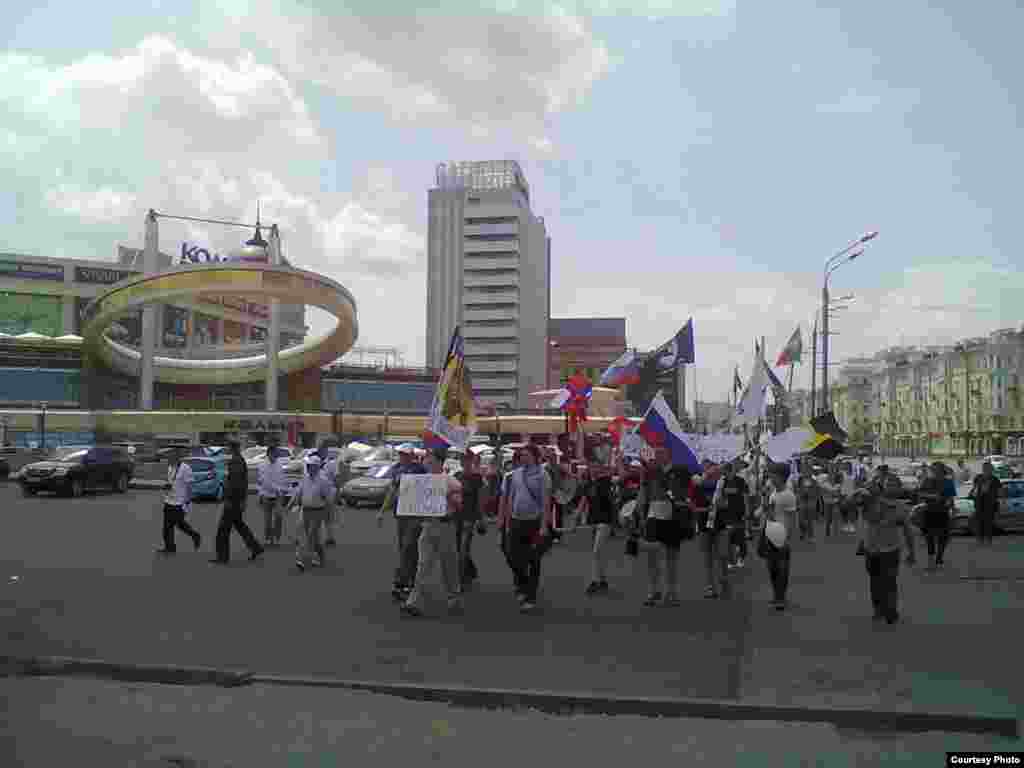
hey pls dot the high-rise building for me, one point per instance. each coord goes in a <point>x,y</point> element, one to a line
<point>489,271</point>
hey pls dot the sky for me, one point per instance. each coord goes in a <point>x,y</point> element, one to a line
<point>691,159</point>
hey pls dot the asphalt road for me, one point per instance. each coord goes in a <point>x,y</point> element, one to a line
<point>80,578</point>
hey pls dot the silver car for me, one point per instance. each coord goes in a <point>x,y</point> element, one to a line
<point>371,488</point>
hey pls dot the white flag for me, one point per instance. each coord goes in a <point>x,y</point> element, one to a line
<point>750,408</point>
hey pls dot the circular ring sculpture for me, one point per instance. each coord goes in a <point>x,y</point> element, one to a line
<point>292,286</point>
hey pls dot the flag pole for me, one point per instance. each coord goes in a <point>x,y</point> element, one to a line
<point>649,408</point>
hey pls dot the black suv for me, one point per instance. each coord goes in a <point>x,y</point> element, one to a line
<point>73,471</point>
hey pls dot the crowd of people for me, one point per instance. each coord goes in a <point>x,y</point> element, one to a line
<point>654,506</point>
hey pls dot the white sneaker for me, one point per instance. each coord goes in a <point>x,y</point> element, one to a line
<point>740,563</point>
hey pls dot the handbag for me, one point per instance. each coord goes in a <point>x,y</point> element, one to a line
<point>765,548</point>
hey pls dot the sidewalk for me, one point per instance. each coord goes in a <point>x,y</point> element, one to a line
<point>102,723</point>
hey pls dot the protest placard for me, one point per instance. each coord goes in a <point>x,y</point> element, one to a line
<point>423,496</point>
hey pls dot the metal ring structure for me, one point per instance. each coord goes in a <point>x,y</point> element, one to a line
<point>293,286</point>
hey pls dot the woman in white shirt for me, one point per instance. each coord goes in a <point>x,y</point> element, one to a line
<point>177,502</point>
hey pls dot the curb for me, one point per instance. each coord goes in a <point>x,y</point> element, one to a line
<point>58,666</point>
<point>551,702</point>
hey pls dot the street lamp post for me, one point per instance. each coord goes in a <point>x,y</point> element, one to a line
<point>831,265</point>
<point>42,426</point>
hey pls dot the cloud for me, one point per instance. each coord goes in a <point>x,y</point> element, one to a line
<point>931,303</point>
<point>489,73</point>
<point>105,137</point>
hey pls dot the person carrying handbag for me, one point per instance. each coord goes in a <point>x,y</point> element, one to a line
<point>781,518</point>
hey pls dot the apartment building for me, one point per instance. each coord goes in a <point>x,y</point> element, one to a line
<point>489,272</point>
<point>943,401</point>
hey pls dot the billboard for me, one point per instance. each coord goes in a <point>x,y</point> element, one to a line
<point>26,313</point>
<point>175,327</point>
<point>101,275</point>
<point>28,270</point>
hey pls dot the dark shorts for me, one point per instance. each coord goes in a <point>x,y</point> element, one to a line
<point>667,532</point>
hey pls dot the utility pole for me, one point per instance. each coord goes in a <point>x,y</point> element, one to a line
<point>824,347</point>
<point>814,368</point>
<point>967,402</point>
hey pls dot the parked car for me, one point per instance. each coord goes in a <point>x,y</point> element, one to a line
<point>371,488</point>
<point>1009,518</point>
<point>378,456</point>
<point>78,469</point>
<point>208,476</point>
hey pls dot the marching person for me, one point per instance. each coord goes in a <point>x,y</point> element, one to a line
<point>236,492</point>
<point>599,506</point>
<point>272,496</point>
<point>407,529</point>
<point>178,502</point>
<point>529,519</point>
<point>729,518</point>
<point>985,493</point>
<point>782,509</point>
<point>662,531</point>
<point>831,498</point>
<point>436,544</point>
<point>469,518</point>
<point>885,517</point>
<point>808,499</point>
<point>313,497</point>
<point>329,469</point>
<point>701,491</point>
<point>937,491</point>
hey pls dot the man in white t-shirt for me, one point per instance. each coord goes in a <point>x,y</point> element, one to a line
<point>177,503</point>
<point>782,508</point>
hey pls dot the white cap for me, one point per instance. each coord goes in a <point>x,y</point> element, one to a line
<point>313,460</point>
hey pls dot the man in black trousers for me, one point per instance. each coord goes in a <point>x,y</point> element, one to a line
<point>236,492</point>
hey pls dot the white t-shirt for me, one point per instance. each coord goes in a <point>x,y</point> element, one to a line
<point>316,491</point>
<point>181,485</point>
<point>784,508</point>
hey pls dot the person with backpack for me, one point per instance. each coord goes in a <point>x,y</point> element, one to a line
<point>728,515</point>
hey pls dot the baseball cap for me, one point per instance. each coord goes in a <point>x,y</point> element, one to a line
<point>313,460</point>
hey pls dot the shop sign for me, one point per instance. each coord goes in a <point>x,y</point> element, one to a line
<point>25,270</point>
<point>259,425</point>
<point>101,275</point>
<point>195,254</point>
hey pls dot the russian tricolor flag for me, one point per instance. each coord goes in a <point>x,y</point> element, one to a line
<point>660,427</point>
<point>624,371</point>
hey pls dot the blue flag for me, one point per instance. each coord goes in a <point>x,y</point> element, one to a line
<point>679,349</point>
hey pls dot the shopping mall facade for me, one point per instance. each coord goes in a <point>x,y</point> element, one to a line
<point>209,371</point>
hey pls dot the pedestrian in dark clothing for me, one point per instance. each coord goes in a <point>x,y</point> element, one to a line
<point>937,491</point>
<point>469,519</point>
<point>236,492</point>
<point>986,492</point>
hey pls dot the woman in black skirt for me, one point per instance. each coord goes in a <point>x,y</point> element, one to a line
<point>600,514</point>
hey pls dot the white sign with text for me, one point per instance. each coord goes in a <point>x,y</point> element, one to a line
<point>423,496</point>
